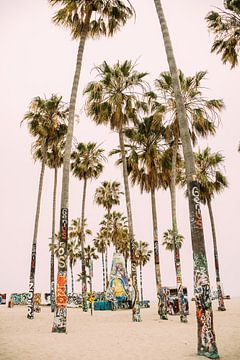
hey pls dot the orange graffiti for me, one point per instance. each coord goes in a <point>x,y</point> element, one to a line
<point>198,220</point>
<point>61,297</point>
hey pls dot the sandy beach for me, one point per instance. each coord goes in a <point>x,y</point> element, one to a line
<point>112,335</point>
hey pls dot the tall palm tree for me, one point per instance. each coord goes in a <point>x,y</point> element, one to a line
<point>45,120</point>
<point>87,163</point>
<point>144,166</point>
<point>113,100</point>
<point>201,115</point>
<point>211,181</point>
<point>225,25</point>
<point>143,255</point>
<point>85,18</point>
<point>206,335</point>
<point>107,195</point>
<point>54,160</point>
<point>100,242</point>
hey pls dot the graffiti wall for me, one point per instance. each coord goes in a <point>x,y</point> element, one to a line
<point>118,283</point>
<point>3,299</point>
<point>22,299</point>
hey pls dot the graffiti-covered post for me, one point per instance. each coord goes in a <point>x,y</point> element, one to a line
<point>60,317</point>
<point>161,294</point>
<point>206,336</point>
<point>30,313</point>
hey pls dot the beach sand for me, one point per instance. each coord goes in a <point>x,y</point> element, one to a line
<point>112,335</point>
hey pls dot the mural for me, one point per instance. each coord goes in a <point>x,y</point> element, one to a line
<point>118,284</point>
<point>3,299</point>
<point>22,299</point>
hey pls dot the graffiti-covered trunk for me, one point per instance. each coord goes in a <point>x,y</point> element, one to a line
<point>177,261</point>
<point>141,282</point>
<point>221,306</point>
<point>136,317</point>
<point>30,311</point>
<point>84,277</point>
<point>52,282</point>
<point>103,270</point>
<point>206,336</point>
<point>106,252</point>
<point>72,278</point>
<point>60,318</point>
<point>162,303</point>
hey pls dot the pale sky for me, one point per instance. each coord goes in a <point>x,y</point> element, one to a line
<point>38,58</point>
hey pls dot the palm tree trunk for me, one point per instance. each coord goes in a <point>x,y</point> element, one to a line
<point>126,268</point>
<point>30,313</point>
<point>72,278</point>
<point>84,278</point>
<point>52,283</point>
<point>136,317</point>
<point>106,256</point>
<point>221,305</point>
<point>162,303</point>
<point>141,282</point>
<point>60,318</point>
<point>103,269</point>
<point>177,261</point>
<point>206,335</point>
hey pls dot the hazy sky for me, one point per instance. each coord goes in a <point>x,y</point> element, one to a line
<point>38,58</point>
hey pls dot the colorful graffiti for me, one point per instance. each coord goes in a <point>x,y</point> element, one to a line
<point>207,343</point>
<point>22,298</point>
<point>118,283</point>
<point>74,299</point>
<point>60,318</point>
<point>3,299</point>
<point>206,336</point>
<point>30,313</point>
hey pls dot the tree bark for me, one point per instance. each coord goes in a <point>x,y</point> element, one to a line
<point>106,253</point>
<point>84,279</point>
<point>177,260</point>
<point>52,282</point>
<point>30,313</point>
<point>141,282</point>
<point>206,335</point>
<point>72,278</point>
<point>103,269</point>
<point>60,318</point>
<point>221,306</point>
<point>136,317</point>
<point>162,303</point>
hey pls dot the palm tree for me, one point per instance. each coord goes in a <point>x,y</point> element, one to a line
<point>211,181</point>
<point>54,160</point>
<point>107,195</point>
<point>143,255</point>
<point>113,100</point>
<point>85,18</point>
<point>87,163</point>
<point>225,25</point>
<point>201,276</point>
<point>45,122</point>
<point>144,166</point>
<point>201,115</point>
<point>100,242</point>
